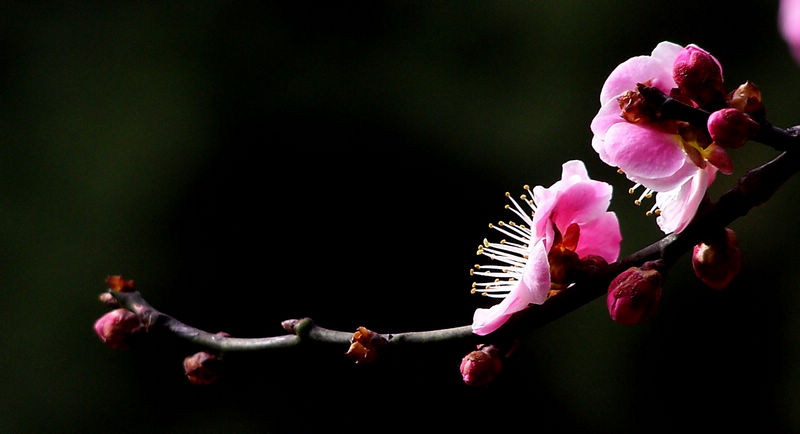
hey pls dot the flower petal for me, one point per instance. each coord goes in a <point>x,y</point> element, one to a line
<point>600,237</point>
<point>580,203</point>
<point>643,152</point>
<point>657,68</point>
<point>679,206</point>
<point>536,277</point>
<point>533,288</point>
<point>789,22</point>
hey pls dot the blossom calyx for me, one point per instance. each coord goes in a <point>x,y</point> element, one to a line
<point>747,98</point>
<point>201,368</point>
<point>479,367</point>
<point>699,76</point>
<point>731,128</point>
<point>633,295</point>
<point>718,261</point>
<point>365,345</point>
<point>115,328</point>
<point>117,283</point>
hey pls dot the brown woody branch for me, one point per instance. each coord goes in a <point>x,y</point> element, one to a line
<point>753,189</point>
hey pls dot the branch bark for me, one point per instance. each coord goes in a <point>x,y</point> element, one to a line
<point>753,189</point>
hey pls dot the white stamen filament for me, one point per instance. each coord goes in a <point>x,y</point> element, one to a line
<point>513,254</point>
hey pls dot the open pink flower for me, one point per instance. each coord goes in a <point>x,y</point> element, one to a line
<point>789,23</point>
<point>669,158</point>
<point>569,220</point>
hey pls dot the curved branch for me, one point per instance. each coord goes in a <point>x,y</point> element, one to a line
<point>753,189</point>
<point>301,330</point>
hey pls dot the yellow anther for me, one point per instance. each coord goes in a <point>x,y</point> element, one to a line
<point>485,242</point>
<point>637,202</point>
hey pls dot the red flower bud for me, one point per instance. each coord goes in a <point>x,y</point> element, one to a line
<point>699,76</point>
<point>731,128</point>
<point>633,296</point>
<point>716,263</point>
<point>116,327</point>
<point>201,368</point>
<point>479,368</point>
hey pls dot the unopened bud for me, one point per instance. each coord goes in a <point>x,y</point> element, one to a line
<point>479,367</point>
<point>365,345</point>
<point>633,296</point>
<point>717,262</point>
<point>747,98</point>
<point>115,328</point>
<point>731,128</point>
<point>201,368</point>
<point>108,299</point>
<point>699,76</point>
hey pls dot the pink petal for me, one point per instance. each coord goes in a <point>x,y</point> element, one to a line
<point>536,277</point>
<point>580,203</point>
<point>789,23</point>
<point>642,152</point>
<point>657,68</point>
<point>533,288</point>
<point>670,182</point>
<point>600,237</point>
<point>574,171</point>
<point>485,321</point>
<point>679,206</point>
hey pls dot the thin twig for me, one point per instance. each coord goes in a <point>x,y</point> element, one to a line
<point>753,189</point>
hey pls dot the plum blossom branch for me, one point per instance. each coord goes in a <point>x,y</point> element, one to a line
<point>302,330</point>
<point>671,109</point>
<point>753,189</point>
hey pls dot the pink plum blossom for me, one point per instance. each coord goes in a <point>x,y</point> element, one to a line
<point>669,158</point>
<point>789,23</point>
<point>568,219</point>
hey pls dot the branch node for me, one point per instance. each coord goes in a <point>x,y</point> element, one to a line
<point>300,327</point>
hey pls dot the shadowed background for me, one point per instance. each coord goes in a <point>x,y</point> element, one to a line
<point>246,163</point>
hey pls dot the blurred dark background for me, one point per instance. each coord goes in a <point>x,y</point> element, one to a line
<point>250,162</point>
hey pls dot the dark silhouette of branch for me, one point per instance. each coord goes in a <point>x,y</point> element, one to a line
<point>753,189</point>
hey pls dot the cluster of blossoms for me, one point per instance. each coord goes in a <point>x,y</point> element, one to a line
<point>568,226</point>
<point>674,160</point>
<point>565,231</point>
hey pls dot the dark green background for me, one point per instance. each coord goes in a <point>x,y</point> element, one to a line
<point>248,162</point>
